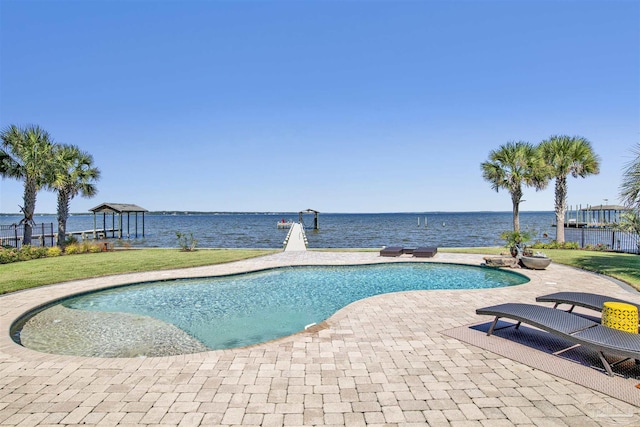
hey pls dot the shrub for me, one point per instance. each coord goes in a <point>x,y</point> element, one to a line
<point>599,247</point>
<point>186,242</point>
<point>39,252</point>
<point>94,248</point>
<point>24,253</point>
<point>54,251</point>
<point>8,255</point>
<point>86,247</point>
<point>515,238</point>
<point>555,245</point>
<point>73,249</point>
<point>28,252</point>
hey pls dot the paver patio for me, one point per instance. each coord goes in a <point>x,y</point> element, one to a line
<point>378,361</point>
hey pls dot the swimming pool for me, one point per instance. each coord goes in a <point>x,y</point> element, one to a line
<point>250,308</point>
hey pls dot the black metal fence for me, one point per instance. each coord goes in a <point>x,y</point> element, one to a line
<point>607,238</point>
<point>12,235</point>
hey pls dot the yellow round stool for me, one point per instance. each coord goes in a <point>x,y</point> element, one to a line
<point>618,315</point>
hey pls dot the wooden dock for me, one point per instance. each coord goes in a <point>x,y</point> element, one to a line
<point>101,233</point>
<point>284,224</point>
<point>50,239</point>
<point>296,239</point>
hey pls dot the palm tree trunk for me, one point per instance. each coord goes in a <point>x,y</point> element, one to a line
<point>561,206</point>
<point>29,199</point>
<point>63,215</point>
<point>516,195</point>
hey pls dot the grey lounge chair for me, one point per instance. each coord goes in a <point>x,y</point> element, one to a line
<point>581,299</point>
<point>391,251</point>
<point>425,251</point>
<point>571,327</point>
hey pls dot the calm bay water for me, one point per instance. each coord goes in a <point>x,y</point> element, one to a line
<point>336,230</point>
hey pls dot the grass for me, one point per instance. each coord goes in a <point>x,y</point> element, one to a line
<point>29,274</point>
<point>624,267</point>
<point>44,271</point>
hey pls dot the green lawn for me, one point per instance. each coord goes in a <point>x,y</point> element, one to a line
<point>624,267</point>
<point>28,274</point>
<point>44,271</point>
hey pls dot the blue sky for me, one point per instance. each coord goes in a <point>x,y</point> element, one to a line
<point>338,106</point>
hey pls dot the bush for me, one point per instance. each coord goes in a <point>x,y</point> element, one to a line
<point>54,251</point>
<point>26,253</point>
<point>515,238</point>
<point>9,255</point>
<point>94,248</point>
<point>73,249</point>
<point>599,247</point>
<point>186,242</point>
<point>555,245</point>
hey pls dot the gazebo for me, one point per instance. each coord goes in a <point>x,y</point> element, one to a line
<point>120,209</point>
<point>315,217</point>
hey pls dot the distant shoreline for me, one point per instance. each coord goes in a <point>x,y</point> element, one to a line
<point>178,212</point>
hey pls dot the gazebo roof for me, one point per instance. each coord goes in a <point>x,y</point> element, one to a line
<point>117,208</point>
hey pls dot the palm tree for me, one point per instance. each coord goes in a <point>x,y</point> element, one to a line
<point>567,155</point>
<point>630,195</point>
<point>510,167</point>
<point>4,159</point>
<point>26,155</point>
<point>74,174</point>
<point>630,188</point>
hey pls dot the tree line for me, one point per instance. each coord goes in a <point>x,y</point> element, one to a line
<point>517,164</point>
<point>29,154</point>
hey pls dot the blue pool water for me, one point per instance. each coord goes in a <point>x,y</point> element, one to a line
<point>245,309</point>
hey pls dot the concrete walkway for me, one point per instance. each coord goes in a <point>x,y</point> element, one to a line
<point>296,240</point>
<point>382,361</point>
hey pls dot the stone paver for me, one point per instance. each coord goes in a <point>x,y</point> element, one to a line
<point>379,361</point>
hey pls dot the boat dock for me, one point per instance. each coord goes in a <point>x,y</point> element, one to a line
<point>282,224</point>
<point>296,239</point>
<point>100,233</point>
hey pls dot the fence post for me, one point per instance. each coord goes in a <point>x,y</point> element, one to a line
<point>582,238</point>
<point>52,236</point>
<point>613,240</point>
<point>15,233</point>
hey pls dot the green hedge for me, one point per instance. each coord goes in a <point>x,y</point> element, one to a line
<point>27,252</point>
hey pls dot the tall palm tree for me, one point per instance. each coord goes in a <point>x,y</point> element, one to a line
<point>26,155</point>
<point>567,155</point>
<point>510,167</point>
<point>74,175</point>
<point>630,188</point>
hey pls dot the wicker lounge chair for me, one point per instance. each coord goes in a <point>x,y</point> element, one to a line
<point>581,299</point>
<point>571,327</point>
<point>391,251</point>
<point>425,251</point>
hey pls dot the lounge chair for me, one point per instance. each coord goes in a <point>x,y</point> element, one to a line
<point>571,327</point>
<point>425,251</point>
<point>581,299</point>
<point>391,251</point>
